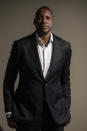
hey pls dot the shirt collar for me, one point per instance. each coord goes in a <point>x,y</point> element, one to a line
<point>41,42</point>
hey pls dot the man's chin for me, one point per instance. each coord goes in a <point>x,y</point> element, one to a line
<point>43,33</point>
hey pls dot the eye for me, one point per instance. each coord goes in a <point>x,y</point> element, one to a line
<point>48,17</point>
<point>40,17</point>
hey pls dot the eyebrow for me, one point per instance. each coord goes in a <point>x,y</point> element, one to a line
<point>45,15</point>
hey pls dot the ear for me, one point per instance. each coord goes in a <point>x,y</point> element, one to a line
<point>53,22</point>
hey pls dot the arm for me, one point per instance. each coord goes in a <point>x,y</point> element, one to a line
<point>10,77</point>
<point>66,77</point>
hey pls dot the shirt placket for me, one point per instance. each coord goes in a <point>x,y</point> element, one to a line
<point>44,61</point>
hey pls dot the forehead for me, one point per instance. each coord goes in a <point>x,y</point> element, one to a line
<point>45,12</point>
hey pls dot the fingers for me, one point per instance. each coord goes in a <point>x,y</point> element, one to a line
<point>11,122</point>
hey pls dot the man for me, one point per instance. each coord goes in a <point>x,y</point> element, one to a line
<point>42,99</point>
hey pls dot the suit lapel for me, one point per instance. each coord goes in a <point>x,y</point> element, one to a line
<point>36,55</point>
<point>55,56</point>
<point>51,62</point>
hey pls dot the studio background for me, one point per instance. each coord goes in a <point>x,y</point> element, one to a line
<point>70,23</point>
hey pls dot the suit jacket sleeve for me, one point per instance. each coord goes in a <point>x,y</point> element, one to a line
<point>10,77</point>
<point>66,77</point>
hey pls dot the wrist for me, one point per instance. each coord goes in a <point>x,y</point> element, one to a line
<point>8,114</point>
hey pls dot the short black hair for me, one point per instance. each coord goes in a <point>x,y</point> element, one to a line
<point>38,11</point>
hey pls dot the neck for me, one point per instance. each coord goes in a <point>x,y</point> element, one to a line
<point>45,37</point>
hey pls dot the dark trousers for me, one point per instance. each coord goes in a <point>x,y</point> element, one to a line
<point>47,123</point>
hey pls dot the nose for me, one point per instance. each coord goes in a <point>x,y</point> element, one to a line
<point>44,19</point>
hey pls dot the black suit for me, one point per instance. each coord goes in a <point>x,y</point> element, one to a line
<point>27,102</point>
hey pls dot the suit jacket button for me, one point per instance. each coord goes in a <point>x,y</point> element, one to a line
<point>45,84</point>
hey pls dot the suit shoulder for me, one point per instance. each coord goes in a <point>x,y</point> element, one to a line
<point>62,42</point>
<point>24,40</point>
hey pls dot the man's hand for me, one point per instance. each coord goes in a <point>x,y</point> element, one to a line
<point>69,120</point>
<point>11,122</point>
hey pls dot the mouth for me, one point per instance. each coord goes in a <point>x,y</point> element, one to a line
<point>45,26</point>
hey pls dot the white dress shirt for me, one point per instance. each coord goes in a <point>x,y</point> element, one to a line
<point>45,53</point>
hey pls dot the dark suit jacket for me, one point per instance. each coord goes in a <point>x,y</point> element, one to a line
<point>27,102</point>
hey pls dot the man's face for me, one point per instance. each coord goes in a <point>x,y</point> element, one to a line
<point>44,21</point>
